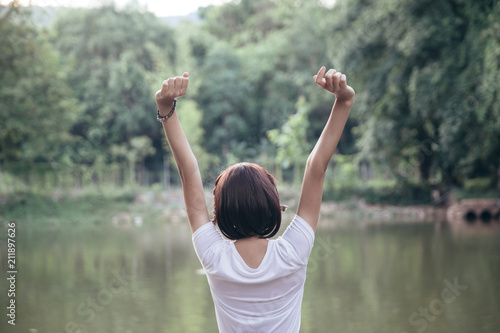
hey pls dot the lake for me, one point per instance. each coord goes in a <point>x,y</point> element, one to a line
<point>362,277</point>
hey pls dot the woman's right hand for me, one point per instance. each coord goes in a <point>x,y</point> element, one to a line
<point>334,82</point>
<point>171,89</point>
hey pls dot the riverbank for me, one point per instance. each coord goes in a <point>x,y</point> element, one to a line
<point>125,207</point>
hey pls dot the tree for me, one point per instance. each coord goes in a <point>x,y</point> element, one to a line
<point>223,95</point>
<point>279,45</point>
<point>422,101</point>
<point>291,142</point>
<point>38,107</point>
<point>113,55</point>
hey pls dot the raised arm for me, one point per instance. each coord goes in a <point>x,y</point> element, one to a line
<point>317,162</point>
<point>192,186</point>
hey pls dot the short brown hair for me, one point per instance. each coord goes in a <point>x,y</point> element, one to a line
<point>246,202</point>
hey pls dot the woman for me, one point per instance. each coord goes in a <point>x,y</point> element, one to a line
<point>256,283</point>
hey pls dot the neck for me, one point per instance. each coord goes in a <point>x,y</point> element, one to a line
<point>251,238</point>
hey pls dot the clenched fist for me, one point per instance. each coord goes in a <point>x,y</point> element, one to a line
<point>171,89</point>
<point>334,82</point>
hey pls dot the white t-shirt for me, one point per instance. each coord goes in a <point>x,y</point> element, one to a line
<point>265,299</point>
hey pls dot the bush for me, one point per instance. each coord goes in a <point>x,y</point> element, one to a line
<point>401,195</point>
<point>478,184</point>
<point>86,208</point>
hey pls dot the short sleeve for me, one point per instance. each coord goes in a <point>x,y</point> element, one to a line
<point>301,236</point>
<point>204,238</point>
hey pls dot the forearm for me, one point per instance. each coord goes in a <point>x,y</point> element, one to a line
<point>318,160</point>
<point>192,185</point>
<point>317,163</point>
<point>179,144</point>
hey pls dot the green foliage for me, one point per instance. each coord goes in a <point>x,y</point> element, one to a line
<point>426,75</point>
<point>400,195</point>
<point>135,152</point>
<point>37,105</point>
<point>43,209</point>
<point>475,193</point>
<point>342,173</point>
<point>291,141</point>
<point>113,54</point>
<point>478,184</point>
<point>190,116</point>
<point>228,117</point>
<point>423,95</point>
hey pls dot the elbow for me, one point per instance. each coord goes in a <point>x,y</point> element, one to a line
<point>309,162</point>
<point>315,167</point>
<point>189,171</point>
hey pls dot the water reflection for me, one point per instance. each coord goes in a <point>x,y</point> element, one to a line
<point>361,278</point>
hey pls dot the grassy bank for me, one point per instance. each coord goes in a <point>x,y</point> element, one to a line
<point>404,195</point>
<point>122,206</point>
<point>67,208</point>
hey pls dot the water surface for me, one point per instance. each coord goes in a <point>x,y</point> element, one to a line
<point>361,278</point>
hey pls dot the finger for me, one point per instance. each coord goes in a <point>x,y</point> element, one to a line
<point>336,80</point>
<point>186,74</point>
<point>184,84</point>
<point>328,79</point>
<point>168,88</point>
<point>178,85</point>
<point>343,81</point>
<point>319,77</point>
<point>164,88</point>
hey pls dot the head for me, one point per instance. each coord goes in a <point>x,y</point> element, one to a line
<point>246,202</point>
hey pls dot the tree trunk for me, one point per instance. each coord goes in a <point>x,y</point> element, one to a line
<point>132,172</point>
<point>140,173</point>
<point>297,173</point>
<point>279,172</point>
<point>424,165</point>
<point>225,141</point>
<point>78,178</point>
<point>498,175</point>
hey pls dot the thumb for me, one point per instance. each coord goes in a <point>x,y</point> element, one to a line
<point>186,74</point>
<point>343,81</point>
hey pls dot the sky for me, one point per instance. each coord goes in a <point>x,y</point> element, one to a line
<point>158,7</point>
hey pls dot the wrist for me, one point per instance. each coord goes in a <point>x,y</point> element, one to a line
<point>165,106</point>
<point>345,101</point>
<point>163,115</point>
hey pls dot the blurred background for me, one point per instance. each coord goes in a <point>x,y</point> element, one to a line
<point>411,196</point>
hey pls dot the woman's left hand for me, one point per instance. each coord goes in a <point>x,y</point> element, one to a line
<point>334,82</point>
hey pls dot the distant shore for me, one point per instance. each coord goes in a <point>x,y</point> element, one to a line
<point>157,206</point>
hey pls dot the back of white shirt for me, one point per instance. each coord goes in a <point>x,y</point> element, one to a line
<point>264,299</point>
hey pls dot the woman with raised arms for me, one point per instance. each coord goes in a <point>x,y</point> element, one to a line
<point>256,283</point>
